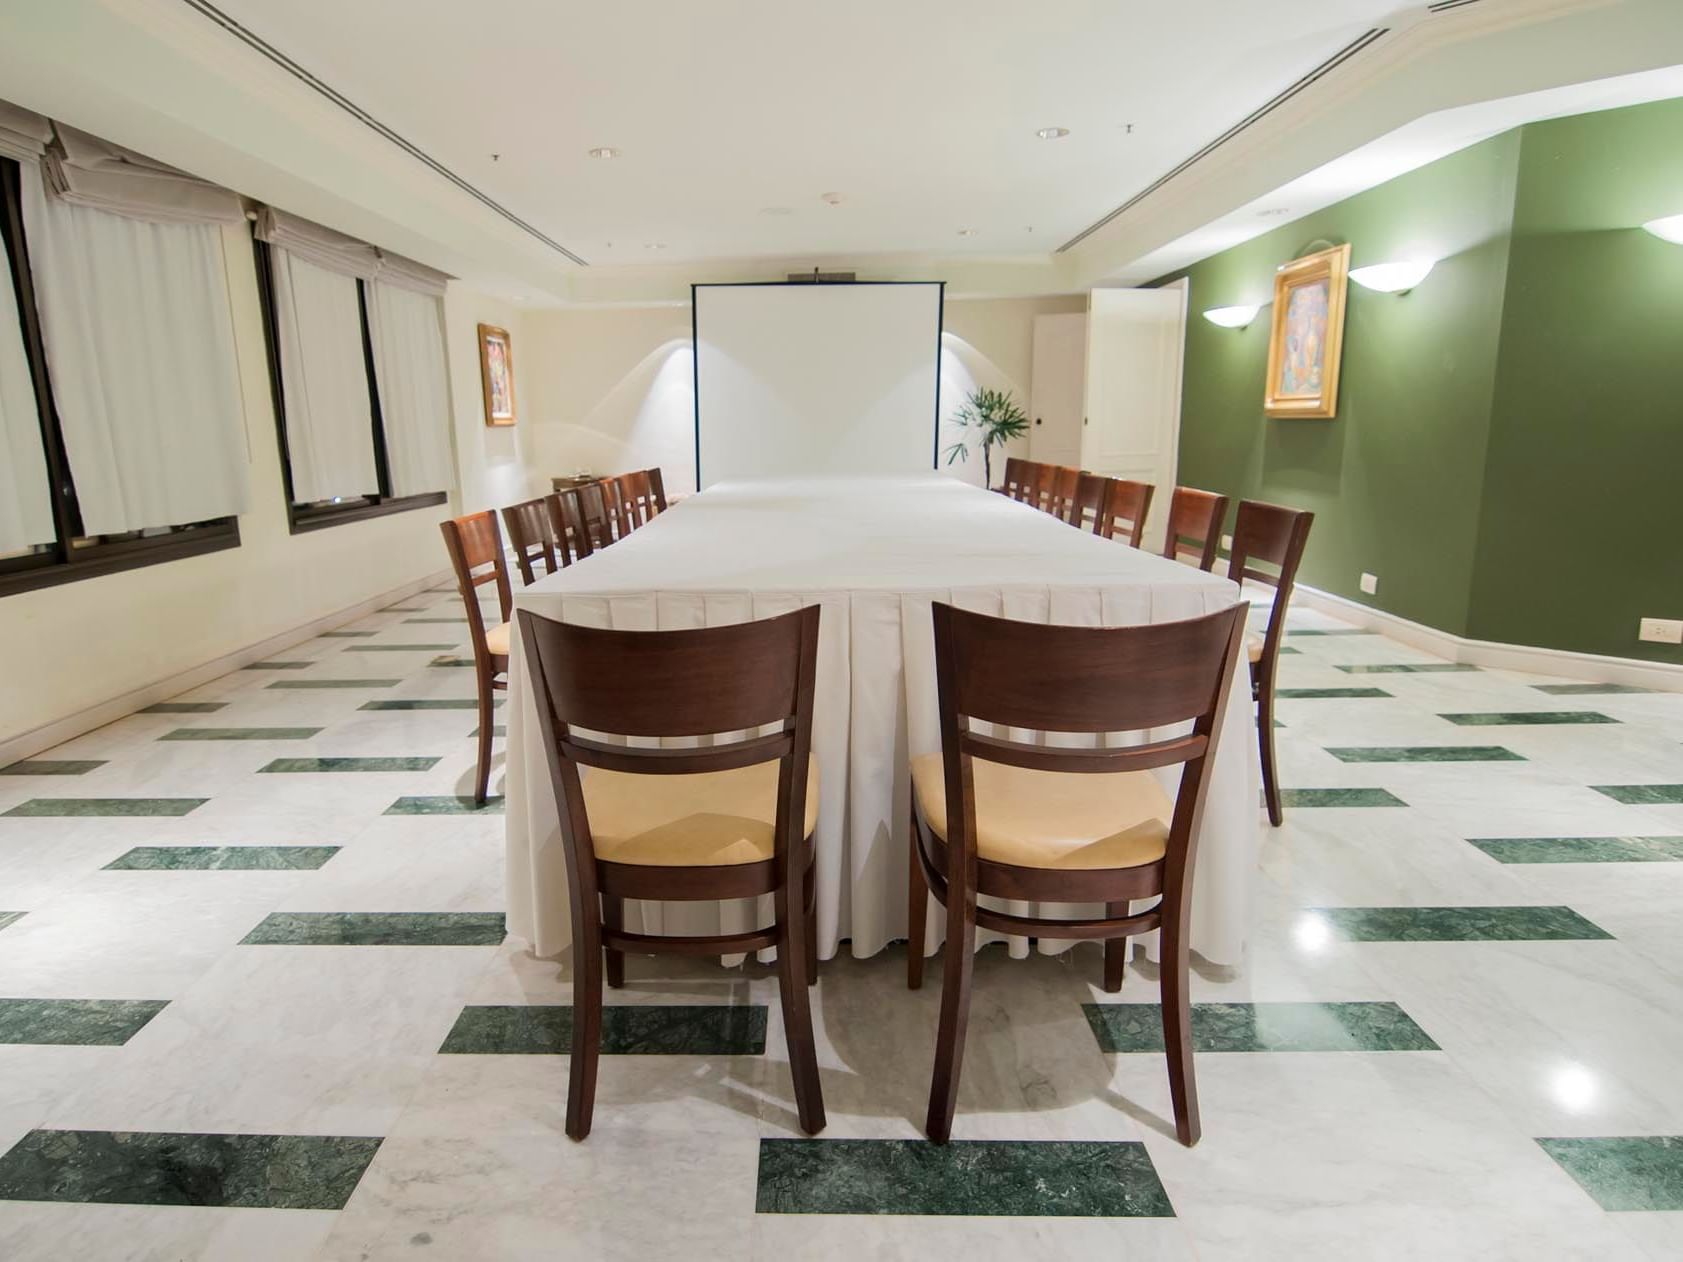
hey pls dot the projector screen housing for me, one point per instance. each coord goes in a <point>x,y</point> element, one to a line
<point>800,379</point>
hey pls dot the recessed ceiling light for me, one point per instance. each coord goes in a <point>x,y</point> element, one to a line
<point>833,199</point>
<point>604,152</point>
<point>655,245</point>
<point>967,232</point>
<point>1052,133</point>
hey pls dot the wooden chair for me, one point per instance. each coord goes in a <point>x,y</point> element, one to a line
<point>475,546</point>
<point>533,537</point>
<point>1061,502</point>
<point>1195,519</point>
<point>632,492</point>
<point>657,490</point>
<point>1012,486</point>
<point>1276,536</point>
<point>1068,825</point>
<point>594,500</point>
<point>1086,511</point>
<point>567,525</point>
<point>1125,511</point>
<point>725,821</point>
<point>1037,491</point>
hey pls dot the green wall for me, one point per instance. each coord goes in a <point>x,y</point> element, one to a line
<point>1506,432</point>
<point>1582,526</point>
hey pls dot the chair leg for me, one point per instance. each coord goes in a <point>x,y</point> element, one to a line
<point>1265,742</point>
<point>1115,952</point>
<point>613,916</point>
<point>958,960</point>
<point>811,917</point>
<point>587,1020</point>
<point>1177,1032</point>
<point>917,913</point>
<point>487,712</point>
<point>797,1005</point>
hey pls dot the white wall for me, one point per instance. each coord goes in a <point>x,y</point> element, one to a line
<point>613,388</point>
<point>80,645</point>
<point>495,464</point>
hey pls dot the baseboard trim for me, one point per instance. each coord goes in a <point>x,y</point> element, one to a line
<point>28,744</point>
<point>1591,667</point>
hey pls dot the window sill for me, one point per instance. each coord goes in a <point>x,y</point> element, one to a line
<point>115,558</point>
<point>305,520</point>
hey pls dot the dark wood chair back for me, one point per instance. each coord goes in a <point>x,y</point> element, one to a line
<point>1195,519</point>
<point>657,490</point>
<point>594,506</point>
<point>632,492</point>
<point>1086,512</point>
<point>533,539</point>
<point>1125,511</point>
<point>566,525</point>
<point>1061,500</point>
<point>1012,486</point>
<point>1041,481</point>
<point>475,546</point>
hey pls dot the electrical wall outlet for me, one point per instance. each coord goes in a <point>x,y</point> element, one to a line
<point>1227,543</point>
<point>1370,584</point>
<point>1661,630</point>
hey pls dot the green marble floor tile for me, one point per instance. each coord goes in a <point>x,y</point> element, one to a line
<point>423,703</point>
<point>1407,668</point>
<point>52,767</point>
<point>1339,797</point>
<point>497,729</point>
<point>377,928</point>
<point>997,1178</point>
<point>1331,631</point>
<point>1326,694</point>
<point>84,1022</point>
<point>448,661</point>
<point>461,621</point>
<point>1286,648</point>
<point>1638,1172</point>
<point>277,665</point>
<point>336,683</point>
<point>627,1030</point>
<point>1263,1027</point>
<point>1581,849</point>
<point>65,808</point>
<point>1460,924</point>
<point>222,859</point>
<point>346,635</point>
<point>1528,718</point>
<point>459,804</point>
<point>171,1168</point>
<point>311,765</point>
<point>185,707</point>
<point>1589,690</point>
<point>397,648</point>
<point>10,918</point>
<point>405,609</point>
<point>1424,753</point>
<point>1643,794</point>
<point>241,734</point>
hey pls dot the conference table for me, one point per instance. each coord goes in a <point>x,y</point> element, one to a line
<point>874,553</point>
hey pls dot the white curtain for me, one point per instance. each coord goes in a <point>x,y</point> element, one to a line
<point>26,511</point>
<point>140,348</point>
<point>324,377</point>
<point>407,329</point>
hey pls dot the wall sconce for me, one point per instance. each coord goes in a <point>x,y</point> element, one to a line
<point>1393,278</point>
<point>1232,317</point>
<point>1667,229</point>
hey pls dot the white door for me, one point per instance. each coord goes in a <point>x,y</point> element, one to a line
<point>1135,339</point>
<point>1056,388</point>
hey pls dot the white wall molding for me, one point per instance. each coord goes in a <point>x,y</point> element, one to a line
<point>28,744</point>
<point>1590,667</point>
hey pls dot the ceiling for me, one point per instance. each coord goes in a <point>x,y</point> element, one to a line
<point>735,117</point>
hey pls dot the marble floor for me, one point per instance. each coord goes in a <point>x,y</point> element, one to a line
<point>255,1003</point>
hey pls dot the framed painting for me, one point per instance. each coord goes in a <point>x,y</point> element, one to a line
<point>496,373</point>
<point>1306,345</point>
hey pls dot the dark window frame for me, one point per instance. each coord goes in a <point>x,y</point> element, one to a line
<point>306,517</point>
<point>73,555</point>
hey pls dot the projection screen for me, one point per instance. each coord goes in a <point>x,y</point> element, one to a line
<point>800,379</point>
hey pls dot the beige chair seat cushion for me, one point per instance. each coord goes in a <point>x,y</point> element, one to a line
<point>1253,647</point>
<point>1054,819</point>
<point>496,639</point>
<point>706,819</point>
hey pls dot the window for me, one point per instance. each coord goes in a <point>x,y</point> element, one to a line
<point>121,448</point>
<point>356,360</point>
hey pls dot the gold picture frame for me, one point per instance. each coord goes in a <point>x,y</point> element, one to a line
<point>1306,342</point>
<point>496,374</point>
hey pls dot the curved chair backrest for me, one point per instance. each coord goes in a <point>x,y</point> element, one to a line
<point>595,499</point>
<point>533,539</point>
<point>1276,536</point>
<point>1125,511</point>
<point>1012,486</point>
<point>1086,512</point>
<point>1062,498</point>
<point>475,546</point>
<point>1195,519</point>
<point>657,490</point>
<point>566,525</point>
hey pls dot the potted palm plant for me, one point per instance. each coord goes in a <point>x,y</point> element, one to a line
<point>992,415</point>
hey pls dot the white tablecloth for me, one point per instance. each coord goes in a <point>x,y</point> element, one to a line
<point>874,553</point>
